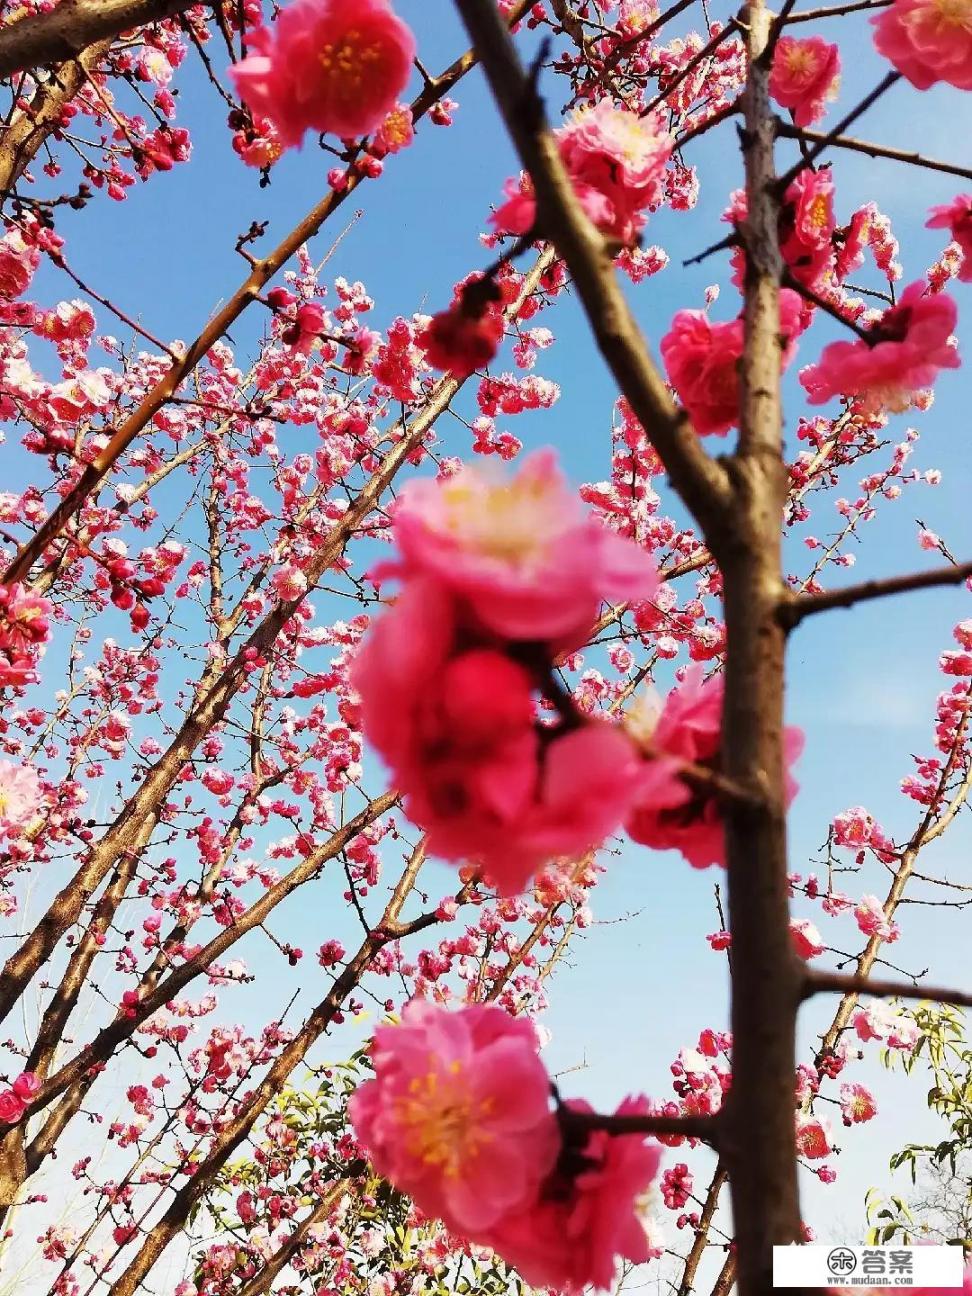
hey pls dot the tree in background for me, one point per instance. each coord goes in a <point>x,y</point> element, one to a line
<point>203,647</point>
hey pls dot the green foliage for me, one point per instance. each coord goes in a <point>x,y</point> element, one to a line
<point>941,1173</point>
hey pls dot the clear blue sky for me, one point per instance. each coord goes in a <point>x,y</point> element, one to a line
<point>862,685</point>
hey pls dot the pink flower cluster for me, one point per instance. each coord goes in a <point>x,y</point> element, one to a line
<point>616,161</point>
<point>459,1116</point>
<point>702,361</point>
<point>13,1101</point>
<point>24,629</point>
<point>499,578</point>
<point>332,66</point>
<point>904,352</point>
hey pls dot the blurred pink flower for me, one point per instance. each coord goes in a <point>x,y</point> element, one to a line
<point>956,217</point>
<point>588,1213</point>
<point>928,41</point>
<point>331,66</point>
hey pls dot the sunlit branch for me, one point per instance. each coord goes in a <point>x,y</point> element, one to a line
<point>794,610</point>
<point>836,11</point>
<point>67,29</point>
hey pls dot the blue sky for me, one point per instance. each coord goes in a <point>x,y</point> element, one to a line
<point>862,684</point>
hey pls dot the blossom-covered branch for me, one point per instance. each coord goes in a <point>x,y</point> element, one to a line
<point>262,271</point>
<point>698,479</point>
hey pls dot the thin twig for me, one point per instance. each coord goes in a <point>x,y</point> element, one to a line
<point>836,11</point>
<point>875,150</point>
<point>825,141</point>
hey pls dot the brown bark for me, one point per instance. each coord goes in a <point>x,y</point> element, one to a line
<point>72,26</point>
<point>740,509</point>
<point>758,1131</point>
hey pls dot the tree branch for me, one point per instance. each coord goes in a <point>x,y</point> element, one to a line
<point>839,983</point>
<point>825,141</point>
<point>873,150</point>
<point>261,273</point>
<point>794,609</point>
<point>72,25</point>
<point>697,1127</point>
<point>700,481</point>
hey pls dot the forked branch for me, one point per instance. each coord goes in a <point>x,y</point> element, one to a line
<point>701,482</point>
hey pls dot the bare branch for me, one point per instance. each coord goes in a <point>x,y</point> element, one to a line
<point>838,983</point>
<point>874,150</point>
<point>794,609</point>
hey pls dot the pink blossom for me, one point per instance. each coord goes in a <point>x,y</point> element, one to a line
<point>812,1138</point>
<point>12,1107</point>
<point>309,323</point>
<point>460,342</point>
<point>24,629</point>
<point>702,361</point>
<point>458,1115</point>
<point>20,796</point>
<point>904,352</point>
<point>289,582</point>
<point>330,953</point>
<point>805,937</point>
<point>395,133</point>
<point>807,224</point>
<point>956,217</point>
<point>669,815</point>
<point>853,827</point>
<point>928,41</point>
<point>804,76</point>
<point>616,161</point>
<point>334,66</point>
<point>458,730</point>
<point>587,1215</point>
<point>520,555</point>
<point>872,921</point>
<point>857,1104</point>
